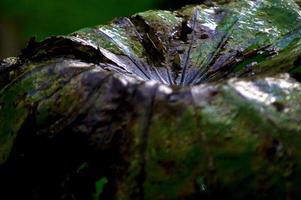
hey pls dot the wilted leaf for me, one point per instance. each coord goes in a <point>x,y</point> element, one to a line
<point>162,103</point>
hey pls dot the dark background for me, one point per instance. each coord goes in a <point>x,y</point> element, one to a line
<point>22,19</point>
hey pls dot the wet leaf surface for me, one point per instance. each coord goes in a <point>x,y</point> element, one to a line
<point>202,102</point>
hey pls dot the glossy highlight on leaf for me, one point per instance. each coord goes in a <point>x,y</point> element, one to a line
<point>197,103</point>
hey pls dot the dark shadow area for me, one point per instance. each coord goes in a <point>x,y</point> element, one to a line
<point>176,4</point>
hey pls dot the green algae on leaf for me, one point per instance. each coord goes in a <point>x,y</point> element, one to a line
<point>99,185</point>
<point>202,102</point>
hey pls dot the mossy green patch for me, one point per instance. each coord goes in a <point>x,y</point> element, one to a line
<point>99,186</point>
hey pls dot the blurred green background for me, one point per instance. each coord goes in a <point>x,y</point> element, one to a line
<point>22,19</point>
